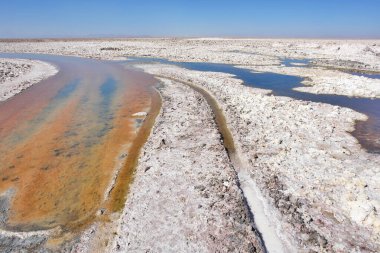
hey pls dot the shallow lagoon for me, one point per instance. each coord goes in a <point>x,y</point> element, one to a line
<point>61,139</point>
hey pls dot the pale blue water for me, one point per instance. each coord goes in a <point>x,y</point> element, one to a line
<point>293,62</point>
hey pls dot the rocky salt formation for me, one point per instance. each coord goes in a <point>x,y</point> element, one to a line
<point>19,74</point>
<point>11,69</point>
<point>321,185</point>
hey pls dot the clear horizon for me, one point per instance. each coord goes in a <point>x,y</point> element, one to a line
<point>241,19</point>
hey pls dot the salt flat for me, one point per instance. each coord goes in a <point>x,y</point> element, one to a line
<point>262,54</point>
<point>321,189</point>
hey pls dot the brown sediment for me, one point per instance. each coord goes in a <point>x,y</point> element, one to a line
<point>120,189</point>
<point>368,134</point>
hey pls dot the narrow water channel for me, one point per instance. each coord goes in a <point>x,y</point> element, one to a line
<point>61,139</point>
<point>367,132</point>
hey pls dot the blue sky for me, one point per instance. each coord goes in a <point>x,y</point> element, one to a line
<point>240,18</point>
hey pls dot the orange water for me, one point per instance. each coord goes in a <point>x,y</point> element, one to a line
<point>61,140</point>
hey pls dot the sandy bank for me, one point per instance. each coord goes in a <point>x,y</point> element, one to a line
<point>19,74</point>
<point>318,182</point>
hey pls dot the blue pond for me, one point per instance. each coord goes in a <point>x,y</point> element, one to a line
<point>367,132</point>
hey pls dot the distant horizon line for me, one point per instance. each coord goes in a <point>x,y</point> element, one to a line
<point>120,37</point>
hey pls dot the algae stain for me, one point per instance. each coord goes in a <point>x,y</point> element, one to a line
<point>63,167</point>
<point>123,182</point>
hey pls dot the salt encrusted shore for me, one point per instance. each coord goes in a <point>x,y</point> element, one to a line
<point>346,54</point>
<point>319,182</point>
<point>259,54</point>
<point>185,196</point>
<point>320,80</point>
<point>18,74</point>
